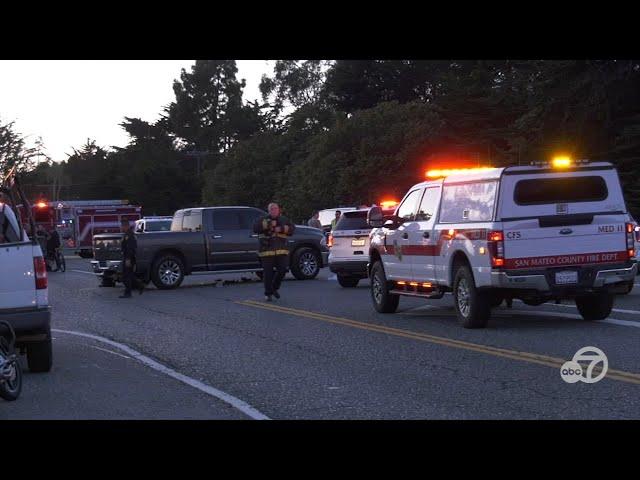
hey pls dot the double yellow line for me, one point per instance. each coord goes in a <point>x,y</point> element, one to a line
<point>548,361</point>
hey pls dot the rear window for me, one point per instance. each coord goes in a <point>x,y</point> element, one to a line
<point>353,221</point>
<point>538,191</point>
<point>158,226</point>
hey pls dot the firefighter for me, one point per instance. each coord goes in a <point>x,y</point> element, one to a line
<point>129,247</point>
<point>273,230</point>
<point>53,244</point>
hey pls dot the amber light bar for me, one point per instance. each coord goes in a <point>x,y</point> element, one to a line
<point>439,173</point>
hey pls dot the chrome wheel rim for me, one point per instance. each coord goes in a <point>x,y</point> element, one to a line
<point>308,264</point>
<point>376,288</point>
<point>169,272</point>
<point>462,294</point>
<point>11,383</point>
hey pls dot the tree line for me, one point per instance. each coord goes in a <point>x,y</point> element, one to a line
<point>330,133</point>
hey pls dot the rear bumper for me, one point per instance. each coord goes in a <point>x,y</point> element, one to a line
<point>590,279</point>
<point>28,322</point>
<point>349,267</point>
<point>107,267</point>
<point>325,258</point>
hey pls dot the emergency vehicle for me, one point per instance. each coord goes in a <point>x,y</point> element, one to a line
<point>549,231</point>
<point>349,245</point>
<point>80,220</point>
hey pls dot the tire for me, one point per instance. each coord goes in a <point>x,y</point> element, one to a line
<point>596,306</point>
<point>305,263</point>
<point>107,282</point>
<point>383,301</point>
<point>40,356</point>
<point>86,254</point>
<point>10,390</point>
<point>167,272</point>
<point>348,281</point>
<point>473,308</point>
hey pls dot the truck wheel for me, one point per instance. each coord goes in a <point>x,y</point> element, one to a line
<point>596,306</point>
<point>473,308</point>
<point>305,263</point>
<point>167,272</point>
<point>40,356</point>
<point>383,301</point>
<point>347,281</point>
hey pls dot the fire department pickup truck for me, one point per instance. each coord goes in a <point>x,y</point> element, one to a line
<point>536,233</point>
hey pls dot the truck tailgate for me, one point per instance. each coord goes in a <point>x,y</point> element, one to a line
<point>17,276</point>
<point>533,243</point>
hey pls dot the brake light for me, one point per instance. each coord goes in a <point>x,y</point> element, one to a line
<point>330,241</point>
<point>631,251</point>
<point>496,248</point>
<point>40,268</point>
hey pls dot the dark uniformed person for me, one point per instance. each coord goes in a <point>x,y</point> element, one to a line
<point>129,248</point>
<point>273,230</point>
<point>53,244</point>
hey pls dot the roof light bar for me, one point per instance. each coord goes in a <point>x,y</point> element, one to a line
<point>440,173</point>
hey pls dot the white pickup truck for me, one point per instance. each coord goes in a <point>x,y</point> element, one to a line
<point>534,233</point>
<point>24,299</point>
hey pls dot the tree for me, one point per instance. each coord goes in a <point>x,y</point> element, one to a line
<point>208,113</point>
<point>13,152</point>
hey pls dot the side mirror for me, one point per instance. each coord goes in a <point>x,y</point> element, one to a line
<point>375,217</point>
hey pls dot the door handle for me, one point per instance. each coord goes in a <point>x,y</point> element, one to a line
<point>254,235</point>
<point>216,236</point>
<point>425,235</point>
<point>405,235</point>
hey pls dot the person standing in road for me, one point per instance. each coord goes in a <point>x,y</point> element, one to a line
<point>314,221</point>
<point>273,231</point>
<point>129,248</point>
<point>335,220</point>
<point>53,244</point>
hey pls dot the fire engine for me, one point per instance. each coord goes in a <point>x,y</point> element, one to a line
<point>78,221</point>
<point>548,231</point>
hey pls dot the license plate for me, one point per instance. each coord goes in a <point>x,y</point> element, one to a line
<point>357,243</point>
<point>564,278</point>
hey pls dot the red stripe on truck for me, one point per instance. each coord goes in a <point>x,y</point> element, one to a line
<point>565,260</point>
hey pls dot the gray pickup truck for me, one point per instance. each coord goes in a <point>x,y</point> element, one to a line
<point>210,239</point>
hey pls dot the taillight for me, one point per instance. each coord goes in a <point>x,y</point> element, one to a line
<point>629,228</point>
<point>40,268</point>
<point>330,241</point>
<point>496,248</point>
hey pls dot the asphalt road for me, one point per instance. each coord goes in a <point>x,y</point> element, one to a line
<point>214,349</point>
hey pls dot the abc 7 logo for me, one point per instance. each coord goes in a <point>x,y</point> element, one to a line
<point>573,371</point>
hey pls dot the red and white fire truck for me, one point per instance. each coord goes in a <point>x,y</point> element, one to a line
<point>78,221</point>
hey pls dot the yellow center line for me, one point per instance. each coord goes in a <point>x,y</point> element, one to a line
<point>554,362</point>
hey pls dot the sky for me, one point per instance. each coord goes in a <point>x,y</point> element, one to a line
<point>67,101</point>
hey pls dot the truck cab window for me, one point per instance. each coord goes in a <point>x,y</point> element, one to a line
<point>407,210</point>
<point>192,221</point>
<point>224,219</point>
<point>428,204</point>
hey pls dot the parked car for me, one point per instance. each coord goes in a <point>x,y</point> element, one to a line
<point>24,302</point>
<point>209,239</point>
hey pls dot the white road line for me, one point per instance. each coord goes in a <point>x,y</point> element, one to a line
<point>110,351</point>
<point>617,310</point>
<point>209,390</point>
<point>541,313</point>
<point>82,271</point>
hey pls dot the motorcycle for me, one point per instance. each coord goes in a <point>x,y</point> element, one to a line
<point>10,370</point>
